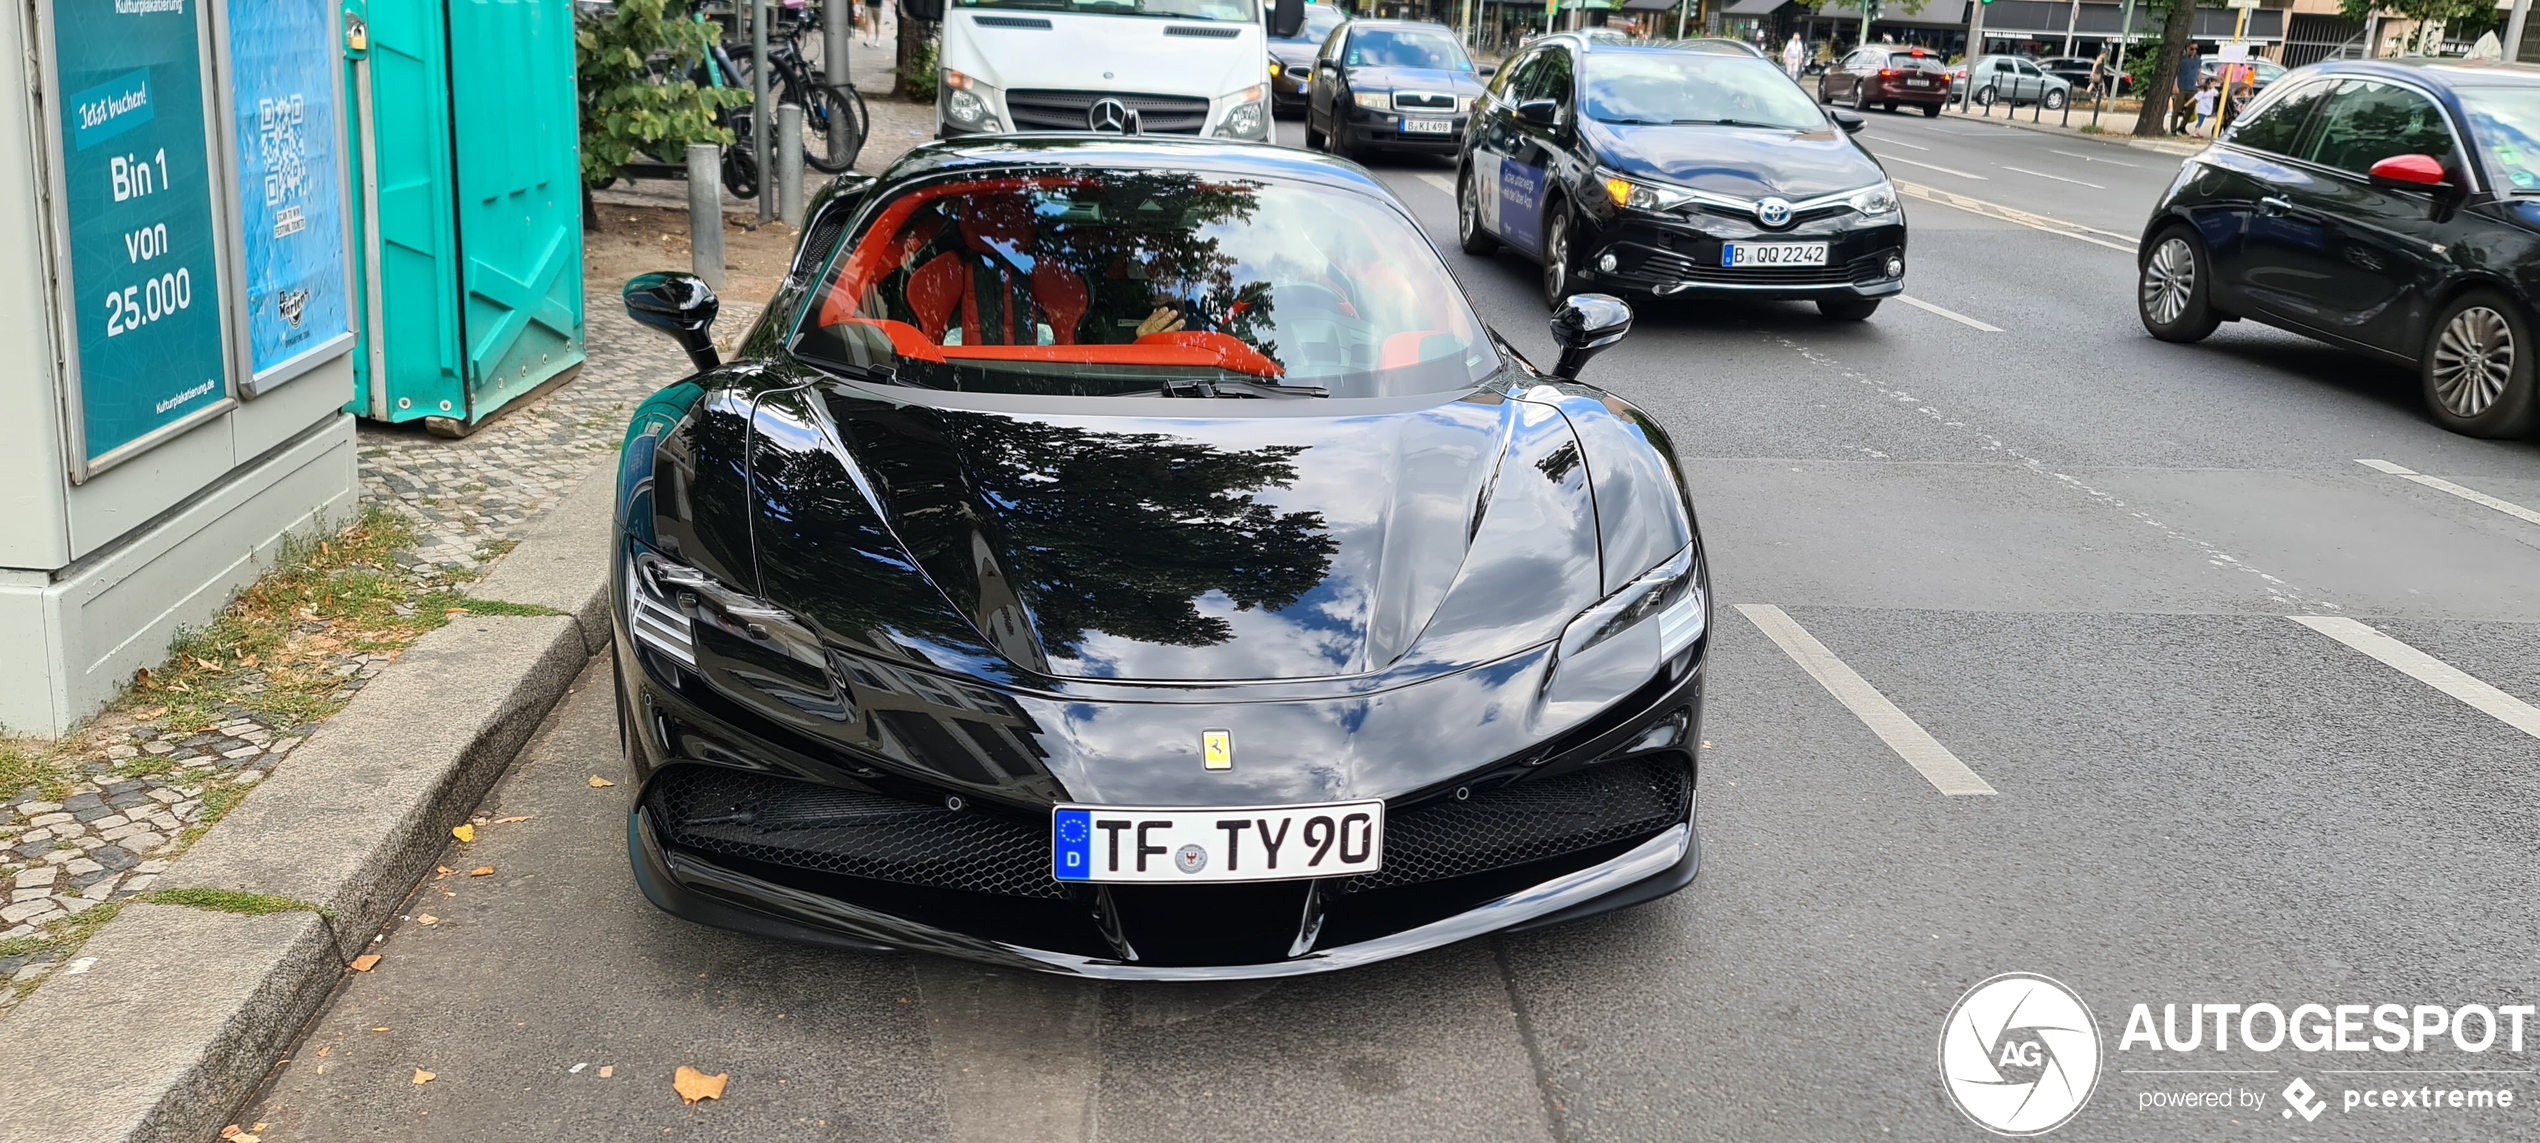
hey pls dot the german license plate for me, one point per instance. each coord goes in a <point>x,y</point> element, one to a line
<point>1428,126</point>
<point>1918,83</point>
<point>1742,255</point>
<point>1273,843</point>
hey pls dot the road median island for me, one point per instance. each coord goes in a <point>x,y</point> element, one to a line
<point>175,1012</point>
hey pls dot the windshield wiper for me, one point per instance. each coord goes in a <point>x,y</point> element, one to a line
<point>1239,389</point>
<point>1738,123</point>
<point>1636,122</point>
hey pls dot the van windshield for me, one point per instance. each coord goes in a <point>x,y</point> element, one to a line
<point>1098,282</point>
<point>1234,11</point>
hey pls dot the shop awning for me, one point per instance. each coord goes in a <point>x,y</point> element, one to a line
<point>1935,14</point>
<point>1753,7</point>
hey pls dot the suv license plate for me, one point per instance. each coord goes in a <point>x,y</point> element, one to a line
<point>1428,126</point>
<point>1270,843</point>
<point>1762,254</point>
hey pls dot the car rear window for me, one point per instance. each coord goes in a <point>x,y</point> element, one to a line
<point>1091,282</point>
<point>1901,61</point>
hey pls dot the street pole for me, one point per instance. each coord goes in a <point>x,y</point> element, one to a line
<point>789,165</point>
<point>2240,41</point>
<point>1975,47</point>
<point>837,30</point>
<point>1868,7</point>
<point>2072,23</point>
<point>2125,38</point>
<point>761,115</point>
<point>705,212</point>
<point>2513,31</point>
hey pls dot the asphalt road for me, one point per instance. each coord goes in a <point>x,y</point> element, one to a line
<point>2065,551</point>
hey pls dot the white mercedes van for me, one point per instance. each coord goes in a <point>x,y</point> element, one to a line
<point>1155,67</point>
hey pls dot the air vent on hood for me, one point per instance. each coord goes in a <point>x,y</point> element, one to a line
<point>1011,22</point>
<point>1203,33</point>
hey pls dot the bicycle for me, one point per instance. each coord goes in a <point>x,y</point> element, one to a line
<point>835,122</point>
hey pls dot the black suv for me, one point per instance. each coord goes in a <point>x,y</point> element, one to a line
<point>2390,207</point>
<point>1684,168</point>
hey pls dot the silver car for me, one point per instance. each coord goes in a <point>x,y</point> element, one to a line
<point>2016,80</point>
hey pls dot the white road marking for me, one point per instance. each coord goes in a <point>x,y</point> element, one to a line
<point>2427,669</point>
<point>1952,315</point>
<point>1439,181</point>
<point>1901,733</point>
<point>2439,484</point>
<point>2073,230</point>
<point>2044,175</point>
<point>2093,159</point>
<point>1903,143</point>
<point>1942,170</point>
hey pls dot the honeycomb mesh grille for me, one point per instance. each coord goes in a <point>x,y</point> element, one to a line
<point>806,826</point>
<point>1530,821</point>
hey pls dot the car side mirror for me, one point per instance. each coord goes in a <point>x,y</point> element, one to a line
<point>1287,18</point>
<point>1487,70</point>
<point>1584,326</point>
<point>681,305</point>
<point>2411,172</point>
<point>1540,112</point>
<point>1852,124</point>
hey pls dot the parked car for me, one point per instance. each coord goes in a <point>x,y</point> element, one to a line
<point>2075,70</point>
<point>1394,85</point>
<point>2262,72</point>
<point>1671,170</point>
<point>1133,558</point>
<point>1292,59</point>
<point>2014,80</point>
<point>1886,77</point>
<point>2391,208</point>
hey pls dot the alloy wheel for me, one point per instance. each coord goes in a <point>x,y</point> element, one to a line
<point>1556,259</point>
<point>2473,361</point>
<point>1468,209</point>
<point>2169,280</point>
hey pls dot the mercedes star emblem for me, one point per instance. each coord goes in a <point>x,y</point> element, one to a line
<point>1111,116</point>
<point>1772,211</point>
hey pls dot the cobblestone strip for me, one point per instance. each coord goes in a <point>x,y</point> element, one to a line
<point>127,814</point>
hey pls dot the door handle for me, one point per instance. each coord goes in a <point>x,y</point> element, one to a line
<point>2274,207</point>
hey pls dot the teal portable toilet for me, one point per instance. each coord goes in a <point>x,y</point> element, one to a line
<point>467,158</point>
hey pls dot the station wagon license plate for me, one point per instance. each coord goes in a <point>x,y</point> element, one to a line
<point>1270,843</point>
<point>1757,255</point>
<point>1918,83</point>
<point>1428,126</point>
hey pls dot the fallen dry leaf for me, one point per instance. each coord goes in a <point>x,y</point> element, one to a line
<point>246,660</point>
<point>426,919</point>
<point>694,1085</point>
<point>600,783</point>
<point>443,870</point>
<point>323,1049</point>
<point>463,832</point>
<point>481,871</point>
<point>231,1131</point>
<point>424,1077</point>
<point>246,1137</point>
<point>455,611</point>
<point>363,963</point>
<point>508,821</point>
<point>258,1127</point>
<point>381,1028</point>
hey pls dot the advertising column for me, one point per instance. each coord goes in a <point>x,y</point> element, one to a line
<point>142,280</point>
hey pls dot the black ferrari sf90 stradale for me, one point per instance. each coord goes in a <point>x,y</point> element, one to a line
<point>1132,558</point>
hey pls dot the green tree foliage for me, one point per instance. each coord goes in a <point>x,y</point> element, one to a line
<point>634,63</point>
<point>2462,18</point>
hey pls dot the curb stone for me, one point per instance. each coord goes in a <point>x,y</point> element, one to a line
<point>182,1012</point>
<point>2170,145</point>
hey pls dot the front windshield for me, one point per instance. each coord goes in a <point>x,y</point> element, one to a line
<point>1397,47</point>
<point>2504,125</point>
<point>1682,87</point>
<point>1142,282</point>
<point>1318,25</point>
<point>1238,11</point>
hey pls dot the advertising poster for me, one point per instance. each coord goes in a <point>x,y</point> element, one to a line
<point>144,276</point>
<point>284,66</point>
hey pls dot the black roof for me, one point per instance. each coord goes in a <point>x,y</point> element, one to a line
<point>1086,149</point>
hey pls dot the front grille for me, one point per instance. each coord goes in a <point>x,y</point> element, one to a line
<point>1531,821</point>
<point>1201,32</point>
<point>806,826</point>
<point>1422,101</point>
<point>1036,109</point>
<point>1677,267</point>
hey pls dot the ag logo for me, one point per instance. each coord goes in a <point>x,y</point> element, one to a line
<point>2020,1054</point>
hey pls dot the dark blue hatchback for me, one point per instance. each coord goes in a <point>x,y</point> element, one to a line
<point>2391,207</point>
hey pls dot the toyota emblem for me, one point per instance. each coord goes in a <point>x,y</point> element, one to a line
<point>1772,211</point>
<point>1111,116</point>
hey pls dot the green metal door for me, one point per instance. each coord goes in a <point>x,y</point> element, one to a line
<point>408,129</point>
<point>519,200</point>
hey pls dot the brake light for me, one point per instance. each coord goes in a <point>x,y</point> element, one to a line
<point>1916,53</point>
<point>1887,73</point>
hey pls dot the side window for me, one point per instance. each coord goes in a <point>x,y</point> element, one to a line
<point>1332,47</point>
<point>1552,80</point>
<point>2003,65</point>
<point>2277,126</point>
<point>2027,68</point>
<point>2367,121</point>
<point>1506,85</point>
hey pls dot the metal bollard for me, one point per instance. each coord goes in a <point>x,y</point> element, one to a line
<point>789,164</point>
<point>705,212</point>
<point>837,30</point>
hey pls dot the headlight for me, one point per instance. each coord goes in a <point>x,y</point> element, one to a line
<point>1245,120</point>
<point>1644,196</point>
<point>966,102</point>
<point>1880,199</point>
<point>1379,100</point>
<point>1617,646</point>
<point>1274,69</point>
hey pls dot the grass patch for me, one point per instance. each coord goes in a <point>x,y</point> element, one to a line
<point>448,602</point>
<point>24,762</point>
<point>230,901</point>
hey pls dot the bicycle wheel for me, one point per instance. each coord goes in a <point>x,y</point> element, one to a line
<point>834,127</point>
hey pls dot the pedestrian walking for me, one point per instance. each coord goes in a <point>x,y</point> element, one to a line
<point>1794,55</point>
<point>2207,93</point>
<point>2098,73</point>
<point>2188,65</point>
<point>873,23</point>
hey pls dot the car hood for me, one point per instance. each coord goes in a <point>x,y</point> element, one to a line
<point>1749,162</point>
<point>1170,546</point>
<point>1413,79</point>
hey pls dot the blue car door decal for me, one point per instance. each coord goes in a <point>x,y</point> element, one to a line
<point>1521,204</point>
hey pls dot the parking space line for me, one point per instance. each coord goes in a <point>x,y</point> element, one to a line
<point>2439,484</point>
<point>2072,230</point>
<point>1894,727</point>
<point>1439,181</point>
<point>1952,315</point>
<point>2094,159</point>
<point>1903,143</point>
<point>1942,170</point>
<point>2044,175</point>
<point>2427,669</point>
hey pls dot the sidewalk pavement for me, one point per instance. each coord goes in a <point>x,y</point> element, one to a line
<point>2114,127</point>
